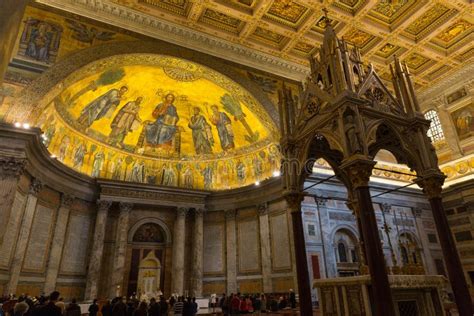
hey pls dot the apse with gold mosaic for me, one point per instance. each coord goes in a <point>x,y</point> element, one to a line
<point>160,120</point>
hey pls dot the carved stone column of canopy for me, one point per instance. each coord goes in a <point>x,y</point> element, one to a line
<point>385,208</point>
<point>96,254</point>
<point>354,207</point>
<point>265,248</point>
<point>11,15</point>
<point>198,241</point>
<point>432,186</point>
<point>116,284</point>
<point>293,201</point>
<point>359,171</point>
<point>23,236</point>
<point>58,243</point>
<point>231,244</point>
<point>10,171</point>
<point>178,251</point>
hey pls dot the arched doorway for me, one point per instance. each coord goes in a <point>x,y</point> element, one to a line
<point>149,242</point>
<point>346,248</point>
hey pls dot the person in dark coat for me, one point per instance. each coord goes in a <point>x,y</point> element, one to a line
<point>142,310</point>
<point>73,309</point>
<point>292,299</point>
<point>120,308</point>
<point>187,307</point>
<point>50,309</point>
<point>163,306</point>
<point>154,309</point>
<point>106,309</point>
<point>94,308</point>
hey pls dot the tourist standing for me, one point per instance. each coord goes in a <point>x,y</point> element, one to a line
<point>94,308</point>
<point>292,299</point>
<point>163,306</point>
<point>50,309</point>
<point>73,309</point>
<point>142,310</point>
<point>178,307</point>
<point>120,308</point>
<point>21,307</point>
<point>154,309</point>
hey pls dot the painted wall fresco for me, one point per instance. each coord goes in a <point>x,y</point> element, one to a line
<point>463,120</point>
<point>160,120</point>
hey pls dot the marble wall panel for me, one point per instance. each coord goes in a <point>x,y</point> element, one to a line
<point>248,246</point>
<point>283,284</point>
<point>209,288</point>
<point>281,254</point>
<point>77,243</point>
<point>40,237</point>
<point>33,289</point>
<point>213,249</point>
<point>12,229</point>
<point>69,292</point>
<point>250,286</point>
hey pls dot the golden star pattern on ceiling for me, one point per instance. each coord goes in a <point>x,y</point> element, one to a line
<point>431,36</point>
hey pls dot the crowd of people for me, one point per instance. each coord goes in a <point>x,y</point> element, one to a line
<point>233,304</point>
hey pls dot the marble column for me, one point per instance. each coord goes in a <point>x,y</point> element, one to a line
<point>231,247</point>
<point>24,235</point>
<point>57,245</point>
<point>11,15</point>
<point>116,284</point>
<point>10,171</point>
<point>95,260</point>
<point>265,248</point>
<point>432,187</point>
<point>198,240</point>
<point>177,282</point>
<point>304,289</point>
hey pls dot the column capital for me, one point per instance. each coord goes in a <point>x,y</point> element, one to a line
<point>11,167</point>
<point>358,171</point>
<point>293,200</point>
<point>230,214</point>
<point>103,205</point>
<point>262,209</point>
<point>66,200</point>
<point>385,207</point>
<point>182,211</point>
<point>199,212</point>
<point>125,207</point>
<point>35,186</point>
<point>432,185</point>
<point>321,202</point>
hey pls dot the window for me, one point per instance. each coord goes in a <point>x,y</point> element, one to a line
<point>311,230</point>
<point>341,249</point>
<point>435,132</point>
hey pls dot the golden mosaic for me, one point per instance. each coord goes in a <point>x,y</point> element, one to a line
<point>160,120</point>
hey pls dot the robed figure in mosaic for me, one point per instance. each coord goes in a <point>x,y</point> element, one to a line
<point>224,128</point>
<point>124,122</point>
<point>162,131</point>
<point>202,134</point>
<point>99,108</point>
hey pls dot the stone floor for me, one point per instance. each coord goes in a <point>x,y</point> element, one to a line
<point>280,313</point>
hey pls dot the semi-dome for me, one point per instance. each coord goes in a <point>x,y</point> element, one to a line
<point>161,120</point>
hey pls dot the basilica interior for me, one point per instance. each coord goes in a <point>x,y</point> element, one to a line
<point>195,148</point>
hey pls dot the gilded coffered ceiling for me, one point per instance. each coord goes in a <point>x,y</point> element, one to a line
<point>434,37</point>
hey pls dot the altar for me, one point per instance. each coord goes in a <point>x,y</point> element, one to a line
<point>417,295</point>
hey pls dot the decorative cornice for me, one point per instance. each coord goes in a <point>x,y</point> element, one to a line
<point>154,27</point>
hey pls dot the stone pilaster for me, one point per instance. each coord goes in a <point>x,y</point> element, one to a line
<point>179,234</point>
<point>198,240</point>
<point>24,235</point>
<point>231,247</point>
<point>57,243</point>
<point>265,248</point>
<point>95,261</point>
<point>10,171</point>
<point>116,284</point>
